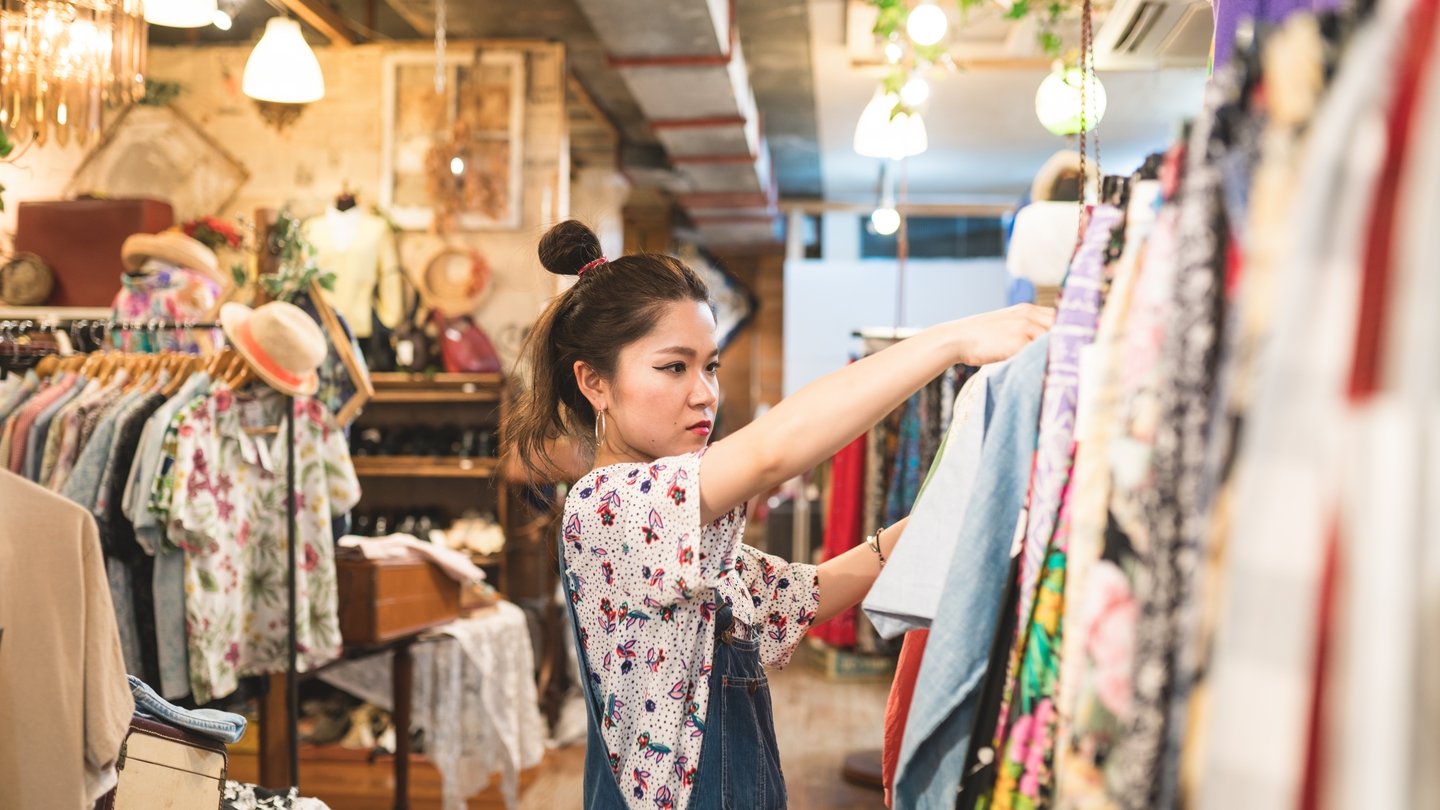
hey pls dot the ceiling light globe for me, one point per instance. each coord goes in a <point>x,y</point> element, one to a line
<point>927,24</point>
<point>885,221</point>
<point>1057,101</point>
<point>915,92</point>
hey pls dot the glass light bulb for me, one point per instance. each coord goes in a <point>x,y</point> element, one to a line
<point>885,221</point>
<point>457,166</point>
<point>915,92</point>
<point>893,52</point>
<point>927,24</point>
<point>1057,101</point>
<point>222,20</point>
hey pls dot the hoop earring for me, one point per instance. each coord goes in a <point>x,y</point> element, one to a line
<point>600,427</point>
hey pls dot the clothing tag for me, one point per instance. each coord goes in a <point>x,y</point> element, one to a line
<point>1019,540</point>
<point>405,352</point>
<point>247,449</point>
<point>266,462</point>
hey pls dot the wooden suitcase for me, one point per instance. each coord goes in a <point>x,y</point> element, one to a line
<point>165,768</point>
<point>382,600</point>
<point>81,239</point>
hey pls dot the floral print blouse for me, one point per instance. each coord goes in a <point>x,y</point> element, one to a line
<point>646,579</point>
<point>227,511</point>
<point>169,294</point>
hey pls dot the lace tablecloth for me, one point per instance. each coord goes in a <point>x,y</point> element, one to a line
<point>474,698</point>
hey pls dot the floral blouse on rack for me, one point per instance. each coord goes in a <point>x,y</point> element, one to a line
<point>646,579</point>
<point>227,511</point>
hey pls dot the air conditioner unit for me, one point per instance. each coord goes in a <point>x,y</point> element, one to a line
<point>1155,34</point>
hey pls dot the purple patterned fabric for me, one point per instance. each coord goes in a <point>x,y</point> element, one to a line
<point>1074,329</point>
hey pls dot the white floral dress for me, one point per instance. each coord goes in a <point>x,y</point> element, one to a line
<point>646,579</point>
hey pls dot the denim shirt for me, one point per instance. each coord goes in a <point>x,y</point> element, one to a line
<point>937,732</point>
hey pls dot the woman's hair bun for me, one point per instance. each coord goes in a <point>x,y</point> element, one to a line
<point>569,246</point>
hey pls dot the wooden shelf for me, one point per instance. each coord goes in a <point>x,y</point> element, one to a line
<point>424,467</point>
<point>405,388</point>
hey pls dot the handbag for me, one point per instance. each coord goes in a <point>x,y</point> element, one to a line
<point>464,346</point>
<point>410,342</point>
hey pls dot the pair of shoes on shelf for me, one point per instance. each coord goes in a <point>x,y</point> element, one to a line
<point>418,522</point>
<point>476,534</point>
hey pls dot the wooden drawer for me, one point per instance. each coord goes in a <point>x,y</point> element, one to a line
<point>381,600</point>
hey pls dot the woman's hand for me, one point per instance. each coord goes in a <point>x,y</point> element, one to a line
<point>995,336</point>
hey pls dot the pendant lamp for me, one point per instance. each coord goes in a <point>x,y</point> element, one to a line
<point>884,133</point>
<point>282,73</point>
<point>180,13</point>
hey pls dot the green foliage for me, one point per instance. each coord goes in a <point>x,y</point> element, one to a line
<point>158,93</point>
<point>890,23</point>
<point>295,267</point>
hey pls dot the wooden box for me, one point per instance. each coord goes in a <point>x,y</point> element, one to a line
<point>382,600</point>
<point>165,768</point>
<point>81,239</point>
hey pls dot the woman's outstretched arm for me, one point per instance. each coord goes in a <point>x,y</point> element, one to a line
<point>811,425</point>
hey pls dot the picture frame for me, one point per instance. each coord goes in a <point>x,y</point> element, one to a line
<point>158,152</point>
<point>479,122</point>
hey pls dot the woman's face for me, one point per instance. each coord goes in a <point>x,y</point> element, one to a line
<point>662,400</point>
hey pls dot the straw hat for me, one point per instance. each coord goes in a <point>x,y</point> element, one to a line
<point>170,246</point>
<point>282,344</point>
<point>454,281</point>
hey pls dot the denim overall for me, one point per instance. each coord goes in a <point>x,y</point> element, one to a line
<point>739,762</point>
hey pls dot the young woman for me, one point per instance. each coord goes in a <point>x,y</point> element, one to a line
<point>674,616</point>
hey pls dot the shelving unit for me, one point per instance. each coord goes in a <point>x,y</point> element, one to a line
<point>455,485</point>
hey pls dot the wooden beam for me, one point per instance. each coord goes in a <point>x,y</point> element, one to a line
<point>318,15</point>
<point>424,24</point>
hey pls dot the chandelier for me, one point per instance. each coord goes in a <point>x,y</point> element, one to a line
<point>63,62</point>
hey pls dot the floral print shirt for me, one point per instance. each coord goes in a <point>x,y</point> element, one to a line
<point>646,579</point>
<point>227,512</point>
<point>165,293</point>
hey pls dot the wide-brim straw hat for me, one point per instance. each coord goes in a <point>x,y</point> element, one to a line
<point>454,282</point>
<point>281,343</point>
<point>172,247</point>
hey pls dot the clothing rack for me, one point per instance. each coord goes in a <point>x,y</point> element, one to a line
<point>107,328</point>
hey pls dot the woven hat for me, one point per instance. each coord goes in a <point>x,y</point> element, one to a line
<point>170,246</point>
<point>454,281</point>
<point>282,344</point>
<point>26,281</point>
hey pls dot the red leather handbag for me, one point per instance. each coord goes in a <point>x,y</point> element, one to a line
<point>464,346</point>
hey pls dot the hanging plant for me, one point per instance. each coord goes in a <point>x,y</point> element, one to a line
<point>890,23</point>
<point>295,267</point>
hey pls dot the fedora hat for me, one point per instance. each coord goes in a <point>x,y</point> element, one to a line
<point>280,342</point>
<point>454,281</point>
<point>170,246</point>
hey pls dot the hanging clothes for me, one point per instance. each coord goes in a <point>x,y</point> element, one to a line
<point>1027,742</point>
<point>843,530</point>
<point>938,729</point>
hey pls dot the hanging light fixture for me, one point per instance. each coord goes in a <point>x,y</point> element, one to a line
<point>887,130</point>
<point>282,73</point>
<point>180,13</point>
<point>62,62</point>
<point>1058,101</point>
